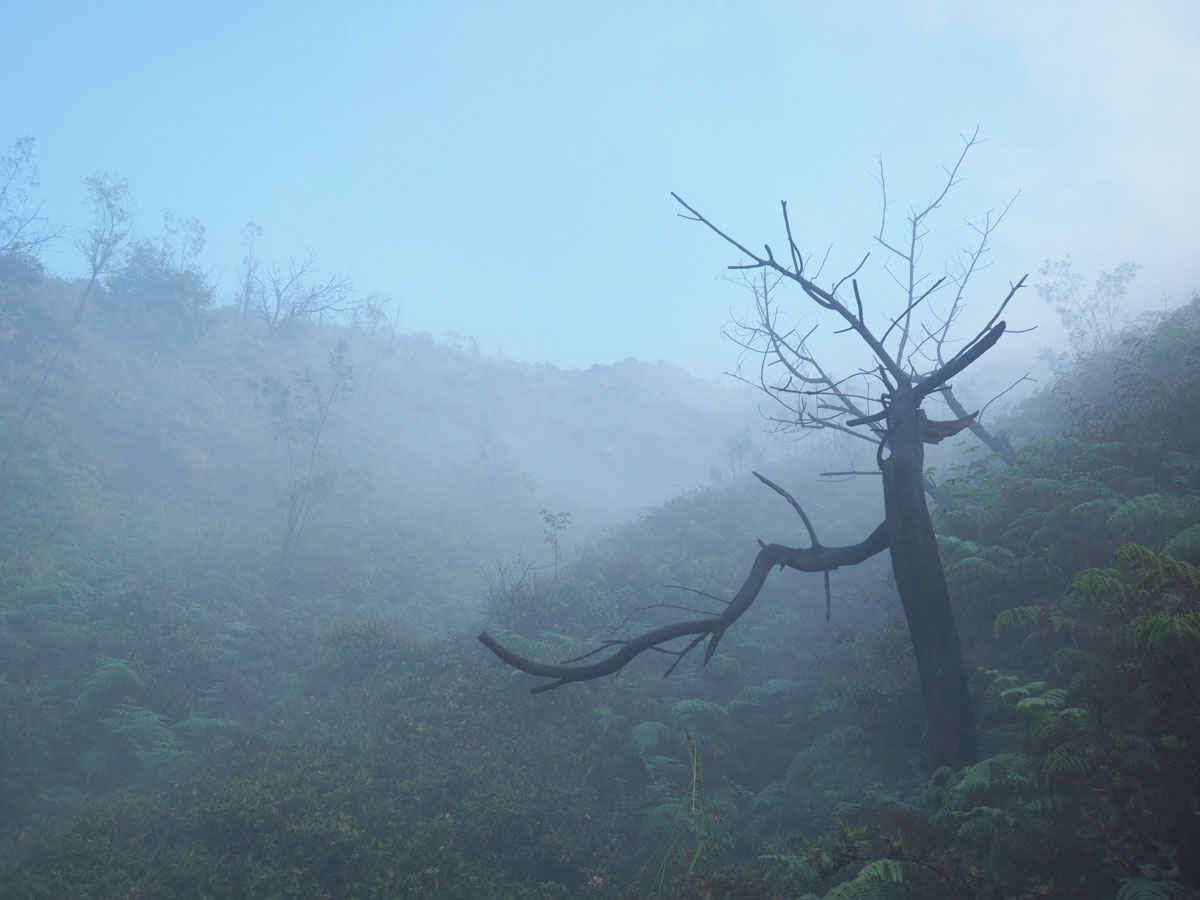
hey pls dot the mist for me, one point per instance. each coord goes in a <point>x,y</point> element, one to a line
<point>675,451</point>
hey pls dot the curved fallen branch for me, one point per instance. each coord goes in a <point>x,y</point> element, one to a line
<point>812,559</point>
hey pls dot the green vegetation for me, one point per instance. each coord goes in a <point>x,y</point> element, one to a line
<point>236,599</point>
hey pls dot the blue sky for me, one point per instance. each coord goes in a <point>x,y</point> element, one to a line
<point>503,169</point>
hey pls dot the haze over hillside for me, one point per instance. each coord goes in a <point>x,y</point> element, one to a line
<point>208,414</point>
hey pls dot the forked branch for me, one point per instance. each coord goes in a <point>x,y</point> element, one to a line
<point>820,296</point>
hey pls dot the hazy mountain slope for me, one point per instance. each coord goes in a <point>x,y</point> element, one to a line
<point>439,457</point>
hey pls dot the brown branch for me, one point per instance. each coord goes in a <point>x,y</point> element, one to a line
<point>813,559</point>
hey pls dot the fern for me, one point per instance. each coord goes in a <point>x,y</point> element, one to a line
<point>777,796</point>
<point>195,724</point>
<point>1052,724</point>
<point>659,766</point>
<point>847,695</point>
<point>976,573</point>
<point>97,762</point>
<point>1158,630</point>
<point>687,812</point>
<point>1184,470</point>
<point>1022,528</point>
<point>954,548</point>
<point>1135,751</point>
<point>787,861</point>
<point>112,678</point>
<point>686,712</point>
<point>1034,690</point>
<point>828,747</point>
<point>993,696</point>
<point>1071,659</point>
<point>956,791</point>
<point>1135,559</point>
<point>646,736</point>
<point>1093,515</point>
<point>1185,546</point>
<point>1164,571</point>
<point>1151,889</point>
<point>1034,618</point>
<point>1072,757</point>
<point>604,716</point>
<point>976,778</point>
<point>1154,594</point>
<point>1093,586</point>
<point>146,733</point>
<point>1052,698</point>
<point>987,825</point>
<point>1153,519</point>
<point>758,694</point>
<point>1017,617</point>
<point>880,879</point>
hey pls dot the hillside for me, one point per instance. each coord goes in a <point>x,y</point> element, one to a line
<point>200,420</point>
<point>195,707</point>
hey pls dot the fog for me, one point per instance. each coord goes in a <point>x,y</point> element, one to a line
<point>795,398</point>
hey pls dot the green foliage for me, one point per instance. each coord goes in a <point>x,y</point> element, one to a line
<point>686,713</point>
<point>647,736</point>
<point>158,290</point>
<point>1160,593</point>
<point>382,791</point>
<point>828,749</point>
<point>851,696</point>
<point>757,694</point>
<point>682,824</point>
<point>880,879</point>
<point>180,721</point>
<point>1039,618</point>
<point>1185,546</point>
<point>604,716</point>
<point>1151,889</point>
<point>111,680</point>
<point>145,733</point>
<point>1154,519</point>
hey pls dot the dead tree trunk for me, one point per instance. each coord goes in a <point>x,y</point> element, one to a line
<point>921,583</point>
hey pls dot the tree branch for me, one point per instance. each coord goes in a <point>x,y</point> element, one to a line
<point>961,361</point>
<point>813,559</point>
<point>816,293</point>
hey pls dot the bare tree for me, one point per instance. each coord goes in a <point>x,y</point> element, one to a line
<point>183,239</point>
<point>1093,322</point>
<point>911,362</point>
<point>101,244</point>
<point>288,298</point>
<point>300,414</point>
<point>23,228</point>
<point>248,286</point>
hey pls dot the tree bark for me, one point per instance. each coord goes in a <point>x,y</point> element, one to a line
<point>921,583</point>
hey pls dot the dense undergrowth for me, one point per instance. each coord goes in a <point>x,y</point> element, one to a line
<point>183,718</point>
